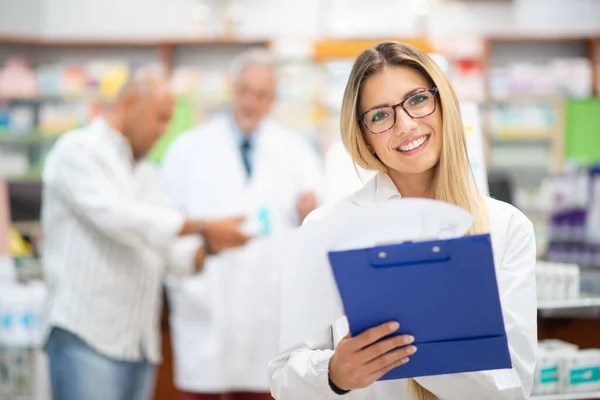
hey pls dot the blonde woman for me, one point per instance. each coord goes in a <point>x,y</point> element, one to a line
<point>401,117</point>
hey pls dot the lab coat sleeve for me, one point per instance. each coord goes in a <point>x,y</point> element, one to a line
<point>516,281</point>
<point>76,174</point>
<point>181,255</point>
<point>302,372</point>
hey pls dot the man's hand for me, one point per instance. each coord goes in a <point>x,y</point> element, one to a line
<point>306,204</point>
<point>222,234</point>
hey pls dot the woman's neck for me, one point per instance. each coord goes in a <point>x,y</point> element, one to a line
<point>413,185</point>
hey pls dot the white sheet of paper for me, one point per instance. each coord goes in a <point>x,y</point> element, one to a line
<point>310,301</point>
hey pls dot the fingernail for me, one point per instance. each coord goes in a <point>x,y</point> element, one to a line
<point>412,349</point>
<point>394,326</point>
<point>405,360</point>
<point>410,339</point>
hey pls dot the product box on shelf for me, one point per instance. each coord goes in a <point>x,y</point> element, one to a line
<point>574,219</point>
<point>549,377</point>
<point>564,368</point>
<point>16,374</point>
<point>582,371</point>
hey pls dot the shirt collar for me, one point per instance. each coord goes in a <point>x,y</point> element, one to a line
<point>237,133</point>
<point>380,188</point>
<point>116,138</point>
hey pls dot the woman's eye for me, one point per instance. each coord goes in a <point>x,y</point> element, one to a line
<point>379,116</point>
<point>418,99</point>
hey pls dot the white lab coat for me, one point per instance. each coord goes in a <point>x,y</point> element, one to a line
<point>223,320</point>
<point>301,372</point>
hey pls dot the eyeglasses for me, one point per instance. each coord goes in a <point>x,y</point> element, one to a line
<point>418,105</point>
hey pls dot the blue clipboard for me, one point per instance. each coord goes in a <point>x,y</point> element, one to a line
<point>442,292</point>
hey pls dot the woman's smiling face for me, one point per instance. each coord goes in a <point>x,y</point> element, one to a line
<point>411,145</point>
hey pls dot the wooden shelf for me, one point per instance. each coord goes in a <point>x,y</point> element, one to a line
<point>27,139</point>
<point>215,42</point>
<point>127,42</point>
<point>165,47</point>
<point>569,304</point>
<point>541,37</point>
<point>568,396</point>
<point>70,42</point>
<point>524,98</point>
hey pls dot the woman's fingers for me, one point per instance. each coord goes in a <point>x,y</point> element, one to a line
<point>372,335</point>
<point>388,359</point>
<point>376,375</point>
<point>384,346</point>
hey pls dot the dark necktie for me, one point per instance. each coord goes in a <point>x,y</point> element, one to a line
<point>245,148</point>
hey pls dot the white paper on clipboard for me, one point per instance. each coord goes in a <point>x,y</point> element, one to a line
<point>310,301</point>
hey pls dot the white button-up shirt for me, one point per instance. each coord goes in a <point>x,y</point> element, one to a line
<point>109,238</point>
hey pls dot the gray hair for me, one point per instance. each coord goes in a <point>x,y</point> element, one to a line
<point>260,57</point>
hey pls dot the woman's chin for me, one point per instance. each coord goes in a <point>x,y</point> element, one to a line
<point>416,167</point>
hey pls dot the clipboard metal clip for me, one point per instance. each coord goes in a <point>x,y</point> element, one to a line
<point>383,254</point>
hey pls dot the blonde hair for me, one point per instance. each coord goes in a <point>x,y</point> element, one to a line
<point>453,182</point>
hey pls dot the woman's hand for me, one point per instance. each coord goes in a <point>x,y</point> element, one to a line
<point>360,361</point>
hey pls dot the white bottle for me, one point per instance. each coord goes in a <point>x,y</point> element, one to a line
<point>20,304</point>
<point>593,217</point>
<point>7,315</point>
<point>7,270</point>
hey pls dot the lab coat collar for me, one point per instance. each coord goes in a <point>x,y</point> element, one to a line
<point>379,188</point>
<point>116,138</point>
<point>237,133</point>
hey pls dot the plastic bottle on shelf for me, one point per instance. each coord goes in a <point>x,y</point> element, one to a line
<point>20,327</point>
<point>573,279</point>
<point>200,16</point>
<point>592,231</point>
<point>5,380</point>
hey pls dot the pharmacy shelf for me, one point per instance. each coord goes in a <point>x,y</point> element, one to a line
<point>522,141</point>
<point>568,396</point>
<point>585,302</point>
<point>27,139</point>
<point>17,40</point>
<point>520,99</point>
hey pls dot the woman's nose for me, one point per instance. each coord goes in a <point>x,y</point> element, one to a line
<point>404,122</point>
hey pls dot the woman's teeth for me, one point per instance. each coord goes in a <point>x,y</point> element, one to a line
<point>414,144</point>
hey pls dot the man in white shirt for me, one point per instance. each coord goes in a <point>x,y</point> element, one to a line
<point>110,238</point>
<point>223,320</point>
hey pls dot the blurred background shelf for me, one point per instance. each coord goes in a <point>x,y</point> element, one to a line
<point>32,138</point>
<point>568,396</point>
<point>584,302</point>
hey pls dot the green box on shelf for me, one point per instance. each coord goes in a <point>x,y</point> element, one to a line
<point>582,141</point>
<point>183,120</point>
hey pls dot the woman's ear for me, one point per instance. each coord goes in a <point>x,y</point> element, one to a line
<point>371,149</point>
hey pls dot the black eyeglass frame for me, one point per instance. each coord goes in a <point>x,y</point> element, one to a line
<point>434,90</point>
